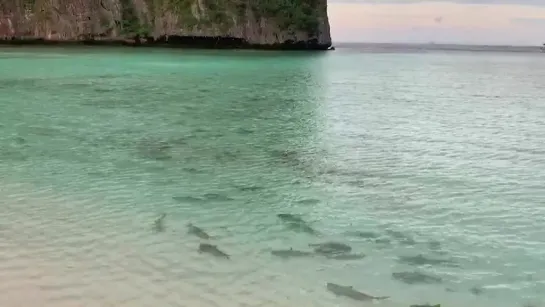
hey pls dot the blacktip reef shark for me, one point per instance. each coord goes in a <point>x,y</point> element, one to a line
<point>159,225</point>
<point>213,250</point>
<point>349,291</point>
<point>291,253</point>
<point>192,229</point>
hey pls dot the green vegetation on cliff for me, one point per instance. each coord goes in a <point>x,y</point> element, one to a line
<point>291,15</point>
<point>181,8</point>
<point>144,18</point>
<point>131,24</point>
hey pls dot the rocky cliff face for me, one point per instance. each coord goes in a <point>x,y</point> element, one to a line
<point>291,24</point>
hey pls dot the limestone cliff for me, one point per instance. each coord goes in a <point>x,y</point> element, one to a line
<point>288,24</point>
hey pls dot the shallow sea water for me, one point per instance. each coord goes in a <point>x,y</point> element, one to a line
<point>446,148</point>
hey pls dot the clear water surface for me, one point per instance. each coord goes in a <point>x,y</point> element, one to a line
<point>438,154</point>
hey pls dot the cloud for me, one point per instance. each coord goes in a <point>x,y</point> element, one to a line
<point>488,2</point>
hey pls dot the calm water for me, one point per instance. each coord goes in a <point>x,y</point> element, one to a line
<point>440,154</point>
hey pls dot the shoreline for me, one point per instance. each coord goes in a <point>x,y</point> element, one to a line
<point>181,42</point>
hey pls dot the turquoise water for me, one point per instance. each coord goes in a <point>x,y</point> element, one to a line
<point>440,154</point>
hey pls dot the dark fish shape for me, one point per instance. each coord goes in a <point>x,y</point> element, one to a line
<point>179,141</point>
<point>364,234</point>
<point>188,199</point>
<point>161,157</point>
<point>476,290</point>
<point>423,260</point>
<point>383,241</point>
<point>349,291</point>
<point>192,229</point>
<point>251,188</point>
<point>346,256</point>
<point>401,237</point>
<point>296,223</point>
<point>287,217</point>
<point>290,253</point>
<point>285,154</point>
<point>244,131</point>
<point>434,245</point>
<point>416,278</point>
<point>157,150</point>
<point>213,250</point>
<point>216,196</point>
<point>331,248</point>
<point>303,227</point>
<point>192,170</point>
<point>308,201</point>
<point>159,225</point>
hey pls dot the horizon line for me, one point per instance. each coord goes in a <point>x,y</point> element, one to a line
<point>434,44</point>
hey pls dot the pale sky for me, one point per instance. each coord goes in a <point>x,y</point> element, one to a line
<point>511,22</point>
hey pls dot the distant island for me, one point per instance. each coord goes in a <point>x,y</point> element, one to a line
<point>256,24</point>
<point>416,47</point>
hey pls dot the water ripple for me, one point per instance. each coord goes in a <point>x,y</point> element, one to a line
<point>95,146</point>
